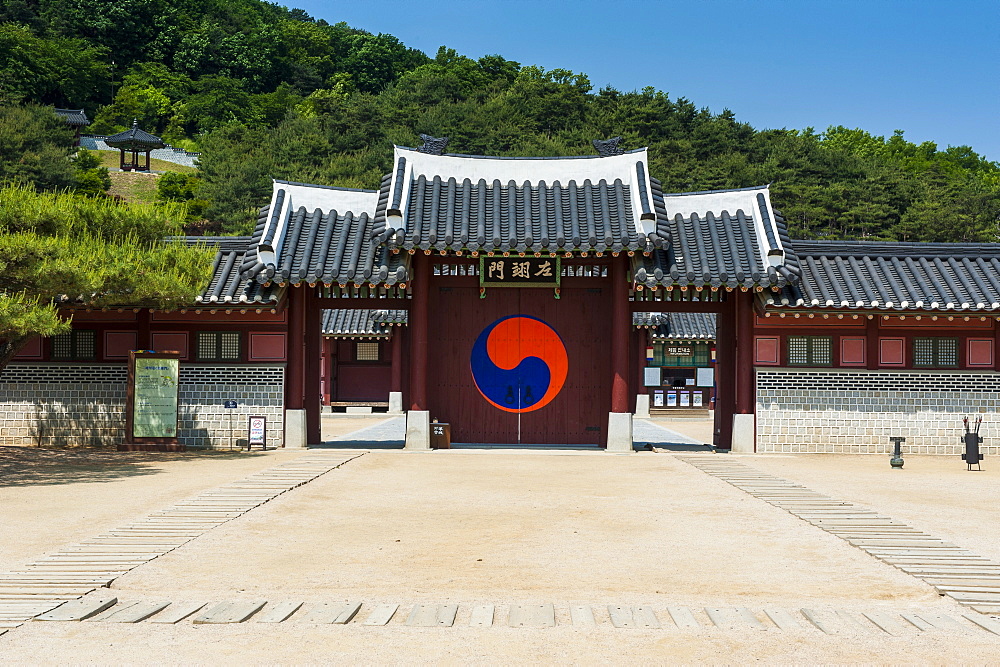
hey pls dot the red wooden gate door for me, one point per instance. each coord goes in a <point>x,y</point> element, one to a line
<point>520,366</point>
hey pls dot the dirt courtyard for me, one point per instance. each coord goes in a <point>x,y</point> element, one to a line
<point>501,527</point>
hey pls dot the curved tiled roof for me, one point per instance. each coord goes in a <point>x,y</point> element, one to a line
<point>725,238</point>
<point>226,287</point>
<point>134,138</point>
<point>75,117</point>
<point>489,204</point>
<point>854,275</point>
<point>677,326</point>
<point>318,234</point>
<point>361,323</point>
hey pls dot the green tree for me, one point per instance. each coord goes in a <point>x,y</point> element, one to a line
<point>35,146</point>
<point>96,252</point>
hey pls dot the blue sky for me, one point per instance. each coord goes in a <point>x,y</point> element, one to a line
<point>929,68</point>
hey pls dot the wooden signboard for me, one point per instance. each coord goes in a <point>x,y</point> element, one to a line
<point>152,399</point>
<point>680,351</point>
<point>519,271</point>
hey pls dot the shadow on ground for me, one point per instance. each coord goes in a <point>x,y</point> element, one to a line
<point>29,466</point>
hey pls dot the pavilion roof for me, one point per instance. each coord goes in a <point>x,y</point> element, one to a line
<point>677,326</point>
<point>75,117</point>
<point>361,323</point>
<point>134,138</point>
<point>861,275</point>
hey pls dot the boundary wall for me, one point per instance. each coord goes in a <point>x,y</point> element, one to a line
<point>58,404</point>
<point>855,411</point>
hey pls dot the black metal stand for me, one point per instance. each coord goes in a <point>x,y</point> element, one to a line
<point>897,456</point>
<point>972,440</point>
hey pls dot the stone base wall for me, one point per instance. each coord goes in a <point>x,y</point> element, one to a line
<point>84,404</point>
<point>855,411</point>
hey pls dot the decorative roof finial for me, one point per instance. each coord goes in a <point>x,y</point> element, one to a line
<point>433,145</point>
<point>135,123</point>
<point>608,147</point>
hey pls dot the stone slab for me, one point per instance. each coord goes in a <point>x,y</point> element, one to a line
<point>349,611</point>
<point>623,616</point>
<point>78,610</point>
<point>824,621</point>
<point>682,617</point>
<point>941,622</point>
<point>917,622</point>
<point>885,622</point>
<point>531,616</point>
<point>230,612</point>
<point>381,614</point>
<point>277,613</point>
<point>619,433</point>
<point>582,616</point>
<point>177,612</point>
<point>137,612</point>
<point>783,619</point>
<point>482,616</point>
<point>985,622</point>
<point>432,615</point>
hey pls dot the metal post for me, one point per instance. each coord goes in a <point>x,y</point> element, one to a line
<point>897,457</point>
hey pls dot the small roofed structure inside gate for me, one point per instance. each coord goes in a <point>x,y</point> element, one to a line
<point>134,141</point>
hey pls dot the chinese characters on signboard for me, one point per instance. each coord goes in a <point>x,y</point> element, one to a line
<point>519,271</point>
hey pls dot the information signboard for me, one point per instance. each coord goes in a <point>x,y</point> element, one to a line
<point>257,431</point>
<point>651,377</point>
<point>519,271</point>
<point>152,399</point>
<point>706,377</point>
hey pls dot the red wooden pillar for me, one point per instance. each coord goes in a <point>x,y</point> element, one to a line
<point>725,372</point>
<point>745,390</point>
<point>396,374</point>
<point>621,323</point>
<point>871,344</point>
<point>418,331</point>
<point>294,394</point>
<point>328,364</point>
<point>145,341</point>
<point>312,377</point>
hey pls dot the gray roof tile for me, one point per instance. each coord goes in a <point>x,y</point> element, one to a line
<point>361,323</point>
<point>677,326</point>
<point>857,275</point>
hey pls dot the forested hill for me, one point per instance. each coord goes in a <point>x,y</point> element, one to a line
<point>265,91</point>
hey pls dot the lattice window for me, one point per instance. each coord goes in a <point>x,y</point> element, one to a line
<point>79,344</point>
<point>935,352</point>
<point>366,352</point>
<point>810,350</point>
<point>219,346</point>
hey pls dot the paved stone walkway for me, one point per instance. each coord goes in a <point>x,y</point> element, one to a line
<point>388,434</point>
<point>969,579</point>
<point>79,569</point>
<point>830,621</point>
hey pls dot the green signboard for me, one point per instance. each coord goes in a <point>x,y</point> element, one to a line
<point>154,406</point>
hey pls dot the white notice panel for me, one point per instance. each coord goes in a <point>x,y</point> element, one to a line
<point>651,377</point>
<point>706,377</point>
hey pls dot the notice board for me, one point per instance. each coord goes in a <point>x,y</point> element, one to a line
<point>152,399</point>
